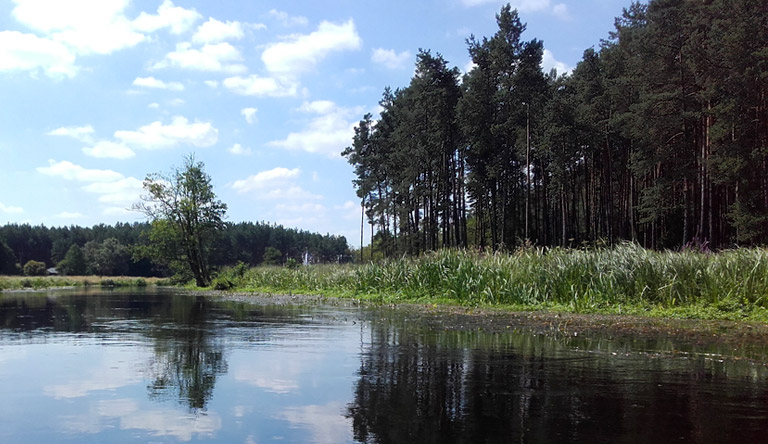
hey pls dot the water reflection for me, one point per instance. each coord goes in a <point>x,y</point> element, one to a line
<point>173,367</point>
<point>454,387</point>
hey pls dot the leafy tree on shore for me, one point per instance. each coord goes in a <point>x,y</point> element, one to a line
<point>186,218</point>
<point>7,259</point>
<point>34,268</point>
<point>73,263</point>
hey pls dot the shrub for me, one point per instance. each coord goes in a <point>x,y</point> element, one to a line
<point>34,268</point>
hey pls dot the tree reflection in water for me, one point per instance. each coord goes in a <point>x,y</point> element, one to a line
<point>188,354</point>
<point>472,387</point>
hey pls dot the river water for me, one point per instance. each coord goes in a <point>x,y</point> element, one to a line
<point>145,366</point>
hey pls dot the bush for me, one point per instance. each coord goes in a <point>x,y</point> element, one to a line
<point>35,268</point>
<point>222,283</point>
<point>292,264</point>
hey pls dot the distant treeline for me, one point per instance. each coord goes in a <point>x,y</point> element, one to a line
<point>658,136</point>
<point>112,250</point>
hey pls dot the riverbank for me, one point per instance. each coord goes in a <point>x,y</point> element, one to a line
<point>622,280</point>
<point>42,282</point>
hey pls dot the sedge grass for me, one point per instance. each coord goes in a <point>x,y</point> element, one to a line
<point>731,284</point>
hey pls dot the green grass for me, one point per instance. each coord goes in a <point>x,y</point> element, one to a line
<point>40,282</point>
<point>625,279</point>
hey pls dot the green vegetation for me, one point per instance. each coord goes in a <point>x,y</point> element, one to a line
<point>34,268</point>
<point>41,282</point>
<point>625,279</point>
<point>186,219</point>
<point>659,135</point>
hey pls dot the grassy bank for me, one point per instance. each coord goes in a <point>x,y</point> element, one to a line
<point>39,282</point>
<point>625,279</point>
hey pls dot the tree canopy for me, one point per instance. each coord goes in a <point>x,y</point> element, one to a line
<point>659,135</point>
<point>186,218</point>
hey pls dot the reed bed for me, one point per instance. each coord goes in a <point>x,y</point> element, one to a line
<point>625,278</point>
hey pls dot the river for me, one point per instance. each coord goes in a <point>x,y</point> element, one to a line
<point>148,365</point>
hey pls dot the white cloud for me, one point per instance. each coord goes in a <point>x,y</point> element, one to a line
<point>122,192</point>
<point>176,18</point>
<point>153,105</point>
<point>86,26</point>
<point>548,62</point>
<point>559,10</point>
<point>391,59</point>
<point>27,52</point>
<point>109,150</point>
<point>288,20</point>
<point>214,31</point>
<point>469,66</point>
<point>10,210</point>
<point>68,215</point>
<point>151,82</point>
<point>328,133</point>
<point>81,133</point>
<point>156,135</point>
<point>254,85</point>
<point>301,52</point>
<point>266,179</point>
<point>238,150</point>
<point>275,184</point>
<point>218,57</point>
<point>70,171</point>
<point>116,192</point>
<point>249,114</point>
<point>212,83</point>
<point>80,27</point>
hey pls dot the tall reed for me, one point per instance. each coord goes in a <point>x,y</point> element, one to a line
<point>580,280</point>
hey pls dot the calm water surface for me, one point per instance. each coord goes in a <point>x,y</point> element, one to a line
<point>167,367</point>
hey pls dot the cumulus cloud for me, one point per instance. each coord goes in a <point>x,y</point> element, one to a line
<point>109,150</point>
<point>122,192</point>
<point>81,133</point>
<point>70,171</point>
<point>85,26</point>
<point>28,52</point>
<point>67,29</point>
<point>266,179</point>
<point>215,31</point>
<point>238,150</point>
<point>559,10</point>
<point>391,59</point>
<point>10,209</point>
<point>218,57</point>
<point>115,191</point>
<point>548,62</point>
<point>180,131</point>
<point>278,183</point>
<point>328,132</point>
<point>151,82</point>
<point>301,52</point>
<point>254,85</point>
<point>68,215</point>
<point>249,114</point>
<point>288,20</point>
<point>177,19</point>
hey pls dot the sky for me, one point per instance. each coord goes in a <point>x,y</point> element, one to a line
<point>96,94</point>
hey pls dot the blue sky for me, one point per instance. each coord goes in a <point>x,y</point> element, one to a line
<point>96,94</point>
